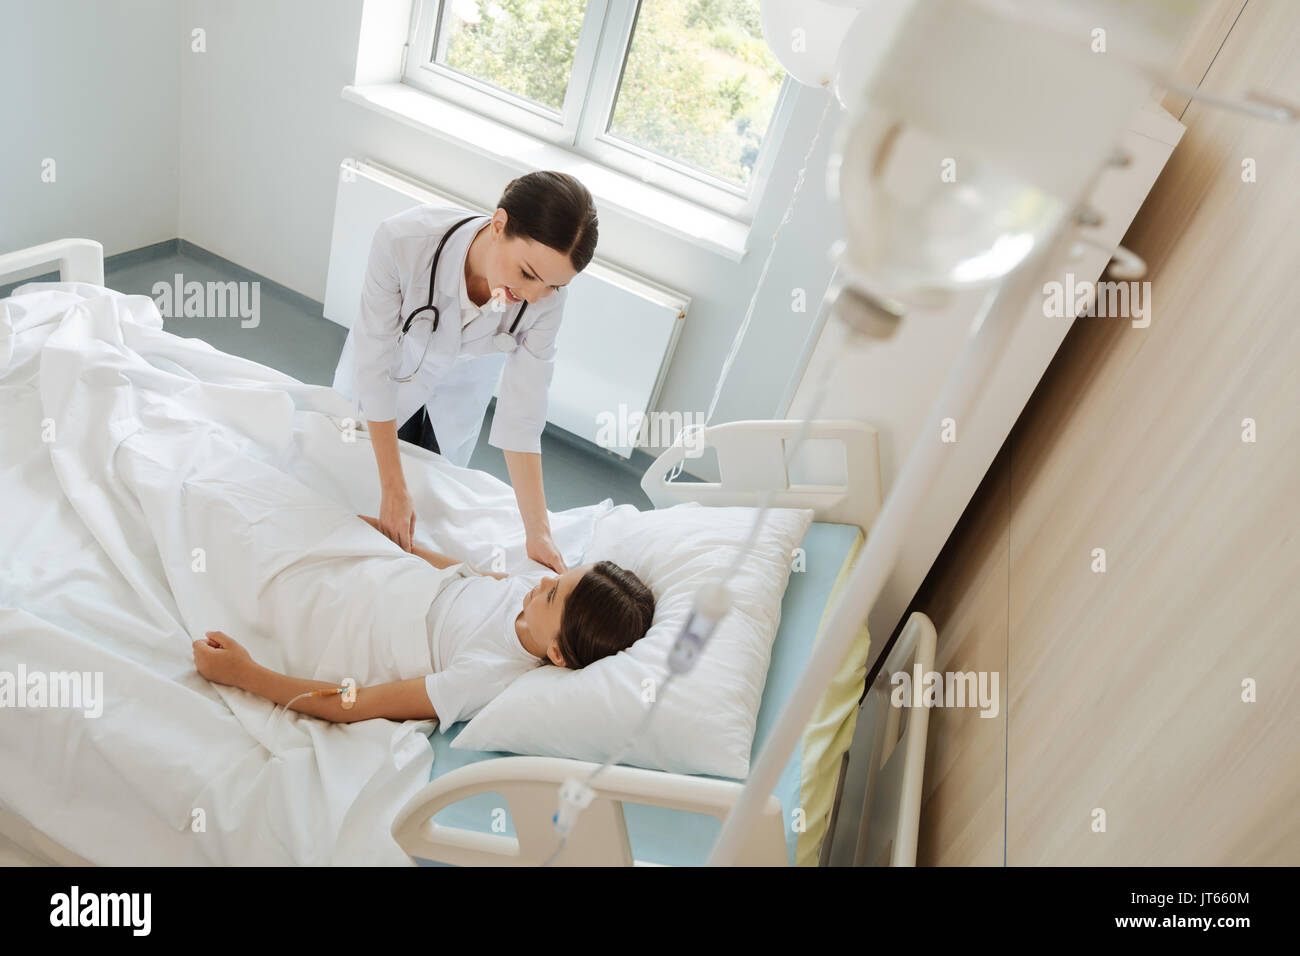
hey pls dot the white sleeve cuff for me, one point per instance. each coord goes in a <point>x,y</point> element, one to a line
<point>378,403</point>
<point>515,436</point>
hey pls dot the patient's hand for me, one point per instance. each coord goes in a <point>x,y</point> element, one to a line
<point>222,659</point>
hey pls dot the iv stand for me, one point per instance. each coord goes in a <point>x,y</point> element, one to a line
<point>990,331</point>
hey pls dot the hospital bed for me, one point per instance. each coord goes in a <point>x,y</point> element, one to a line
<point>642,816</point>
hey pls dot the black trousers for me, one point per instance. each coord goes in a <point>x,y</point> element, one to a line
<point>418,430</point>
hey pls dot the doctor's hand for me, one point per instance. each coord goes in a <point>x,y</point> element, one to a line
<point>542,549</point>
<point>397,517</point>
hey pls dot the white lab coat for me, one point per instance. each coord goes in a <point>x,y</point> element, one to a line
<point>462,364</point>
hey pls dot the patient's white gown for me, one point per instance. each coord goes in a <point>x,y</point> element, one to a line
<point>476,652</point>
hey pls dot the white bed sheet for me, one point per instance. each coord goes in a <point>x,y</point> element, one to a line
<point>162,445</point>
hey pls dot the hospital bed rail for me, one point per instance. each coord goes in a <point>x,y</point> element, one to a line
<point>891,805</point>
<point>529,786</point>
<point>751,460</point>
<point>80,260</point>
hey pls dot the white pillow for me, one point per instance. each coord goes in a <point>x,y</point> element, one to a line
<point>705,721</point>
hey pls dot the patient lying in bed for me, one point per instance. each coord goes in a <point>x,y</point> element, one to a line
<point>490,629</point>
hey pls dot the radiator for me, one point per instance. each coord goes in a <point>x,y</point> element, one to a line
<point>616,339</point>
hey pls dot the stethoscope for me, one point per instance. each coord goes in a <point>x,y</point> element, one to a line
<point>504,341</point>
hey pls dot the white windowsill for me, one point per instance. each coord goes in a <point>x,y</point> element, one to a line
<point>657,208</point>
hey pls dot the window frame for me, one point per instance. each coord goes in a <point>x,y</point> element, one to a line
<point>599,58</point>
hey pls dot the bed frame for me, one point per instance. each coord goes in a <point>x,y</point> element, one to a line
<point>751,459</point>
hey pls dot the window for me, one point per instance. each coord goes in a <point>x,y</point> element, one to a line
<point>684,94</point>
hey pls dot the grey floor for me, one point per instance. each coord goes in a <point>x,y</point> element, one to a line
<point>295,338</point>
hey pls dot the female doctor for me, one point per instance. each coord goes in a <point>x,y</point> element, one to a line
<point>449,299</point>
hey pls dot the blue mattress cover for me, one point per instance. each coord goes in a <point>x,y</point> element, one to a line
<point>679,837</point>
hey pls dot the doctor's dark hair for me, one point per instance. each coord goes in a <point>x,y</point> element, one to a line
<point>607,611</point>
<point>553,209</point>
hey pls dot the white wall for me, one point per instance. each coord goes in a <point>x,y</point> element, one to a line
<point>263,130</point>
<point>92,86</point>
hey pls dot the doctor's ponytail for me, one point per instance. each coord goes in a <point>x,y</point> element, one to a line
<point>554,209</point>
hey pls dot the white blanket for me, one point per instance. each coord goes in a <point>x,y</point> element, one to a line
<point>156,488</point>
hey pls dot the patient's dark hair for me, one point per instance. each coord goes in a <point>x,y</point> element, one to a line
<point>607,610</point>
<point>553,209</point>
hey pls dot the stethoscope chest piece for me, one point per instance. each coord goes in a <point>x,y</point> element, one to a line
<point>505,342</point>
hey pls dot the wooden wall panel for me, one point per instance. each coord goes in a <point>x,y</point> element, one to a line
<point>1123,689</point>
<point>1200,47</point>
<point>1127,685</point>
